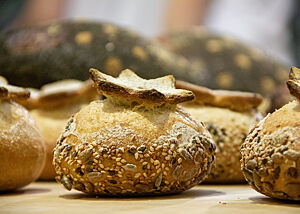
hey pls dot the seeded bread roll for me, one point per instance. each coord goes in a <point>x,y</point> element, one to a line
<point>228,116</point>
<point>224,62</point>
<point>271,153</point>
<point>136,142</point>
<point>52,106</point>
<point>36,55</point>
<point>22,150</point>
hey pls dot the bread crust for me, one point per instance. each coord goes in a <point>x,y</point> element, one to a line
<point>131,87</point>
<point>228,115</point>
<point>136,142</point>
<point>52,106</point>
<point>10,92</point>
<point>51,122</point>
<point>56,94</point>
<point>228,129</point>
<point>109,149</point>
<point>234,100</point>
<point>22,149</point>
<point>294,82</point>
<point>271,154</point>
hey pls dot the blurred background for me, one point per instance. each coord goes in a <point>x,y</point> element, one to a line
<point>270,25</point>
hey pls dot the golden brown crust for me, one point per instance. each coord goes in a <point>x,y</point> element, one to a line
<point>3,80</point>
<point>21,147</point>
<point>294,82</point>
<point>60,93</point>
<point>131,87</point>
<point>235,100</point>
<point>10,92</point>
<point>229,130</point>
<point>51,123</point>
<point>271,154</point>
<point>52,106</point>
<point>115,150</point>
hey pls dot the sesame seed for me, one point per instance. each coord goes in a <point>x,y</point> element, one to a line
<point>179,160</point>
<point>156,162</point>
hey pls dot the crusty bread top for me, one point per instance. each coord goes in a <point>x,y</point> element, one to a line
<point>12,92</point>
<point>234,100</point>
<point>294,82</point>
<point>131,87</point>
<point>59,93</point>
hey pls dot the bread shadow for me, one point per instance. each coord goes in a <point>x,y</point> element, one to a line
<point>26,191</point>
<point>193,193</point>
<point>273,201</point>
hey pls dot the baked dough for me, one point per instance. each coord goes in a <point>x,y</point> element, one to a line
<point>52,106</point>
<point>136,142</point>
<point>271,153</point>
<point>22,150</point>
<point>228,116</point>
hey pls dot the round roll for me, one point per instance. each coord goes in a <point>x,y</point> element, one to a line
<point>136,142</point>
<point>22,149</point>
<point>228,116</point>
<point>52,106</point>
<point>271,152</point>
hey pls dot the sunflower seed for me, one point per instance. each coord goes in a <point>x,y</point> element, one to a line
<point>66,182</point>
<point>94,177</point>
<point>185,154</point>
<point>130,167</point>
<point>158,180</point>
<point>85,154</point>
<point>251,164</point>
<point>177,171</point>
<point>189,174</point>
<point>113,189</point>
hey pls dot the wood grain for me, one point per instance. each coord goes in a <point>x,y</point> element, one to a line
<point>49,197</point>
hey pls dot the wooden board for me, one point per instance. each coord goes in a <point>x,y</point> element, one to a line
<point>49,197</point>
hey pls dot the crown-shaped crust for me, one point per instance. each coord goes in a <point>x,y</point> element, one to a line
<point>234,100</point>
<point>294,82</point>
<point>131,87</point>
<point>10,92</point>
<point>59,93</point>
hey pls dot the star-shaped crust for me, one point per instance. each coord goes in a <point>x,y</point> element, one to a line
<point>234,100</point>
<point>294,82</point>
<point>59,93</point>
<point>133,88</point>
<point>10,92</point>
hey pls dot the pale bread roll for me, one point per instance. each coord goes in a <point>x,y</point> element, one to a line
<point>52,106</point>
<point>22,149</point>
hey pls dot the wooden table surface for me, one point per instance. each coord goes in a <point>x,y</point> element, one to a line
<point>49,197</point>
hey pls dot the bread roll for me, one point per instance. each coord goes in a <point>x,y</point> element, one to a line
<point>271,153</point>
<point>226,63</point>
<point>52,106</point>
<point>136,142</point>
<point>228,116</point>
<point>22,150</point>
